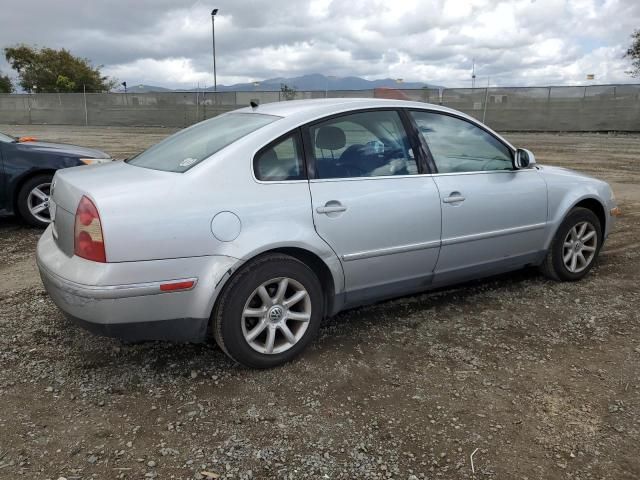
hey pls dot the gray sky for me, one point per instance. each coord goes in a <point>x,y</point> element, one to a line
<point>168,42</point>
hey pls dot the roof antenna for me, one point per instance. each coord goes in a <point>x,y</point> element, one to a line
<point>253,104</point>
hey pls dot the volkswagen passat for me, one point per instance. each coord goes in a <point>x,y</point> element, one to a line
<point>254,225</point>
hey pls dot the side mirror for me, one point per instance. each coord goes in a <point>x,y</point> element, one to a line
<point>524,159</point>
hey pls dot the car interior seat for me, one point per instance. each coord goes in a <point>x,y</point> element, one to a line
<point>329,139</point>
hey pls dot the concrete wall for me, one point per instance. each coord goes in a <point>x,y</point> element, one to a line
<point>150,109</point>
<point>597,108</point>
<point>593,108</point>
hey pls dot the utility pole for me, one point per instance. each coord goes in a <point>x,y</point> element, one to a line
<point>213,32</point>
<point>486,99</point>
<point>473,74</point>
<point>84,97</point>
<point>126,100</point>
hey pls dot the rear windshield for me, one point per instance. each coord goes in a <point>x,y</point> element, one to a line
<point>6,138</point>
<point>183,150</point>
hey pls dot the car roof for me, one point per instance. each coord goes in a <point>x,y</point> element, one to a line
<point>299,112</point>
<point>324,106</point>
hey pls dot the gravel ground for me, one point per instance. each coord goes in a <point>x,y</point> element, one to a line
<point>539,379</point>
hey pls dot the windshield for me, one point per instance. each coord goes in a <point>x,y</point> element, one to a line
<point>6,138</point>
<point>183,150</point>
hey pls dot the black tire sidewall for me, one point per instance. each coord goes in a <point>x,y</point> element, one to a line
<point>575,216</point>
<point>23,195</point>
<point>229,315</point>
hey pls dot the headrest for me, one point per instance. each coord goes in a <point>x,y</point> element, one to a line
<point>330,138</point>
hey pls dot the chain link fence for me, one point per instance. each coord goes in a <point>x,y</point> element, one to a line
<point>576,108</point>
<point>589,108</point>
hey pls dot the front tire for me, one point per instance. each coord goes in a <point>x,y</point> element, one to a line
<point>269,312</point>
<point>575,246</point>
<point>33,201</point>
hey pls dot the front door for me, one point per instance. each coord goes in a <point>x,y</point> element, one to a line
<point>493,216</point>
<point>372,205</point>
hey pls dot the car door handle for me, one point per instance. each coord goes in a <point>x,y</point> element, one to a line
<point>331,207</point>
<point>454,197</point>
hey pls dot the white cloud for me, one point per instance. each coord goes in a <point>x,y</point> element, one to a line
<point>168,42</point>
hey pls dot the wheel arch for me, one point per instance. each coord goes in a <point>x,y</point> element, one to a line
<point>596,207</point>
<point>560,213</point>
<point>20,183</point>
<point>319,267</point>
<point>550,265</point>
<point>310,259</point>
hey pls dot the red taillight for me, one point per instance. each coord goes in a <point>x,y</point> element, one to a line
<point>89,242</point>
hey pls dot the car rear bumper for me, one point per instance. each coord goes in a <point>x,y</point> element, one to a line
<point>178,330</point>
<point>124,300</point>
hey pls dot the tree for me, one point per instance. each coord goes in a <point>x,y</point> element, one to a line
<point>65,84</point>
<point>634,54</point>
<point>50,70</point>
<point>5,84</point>
<point>289,93</point>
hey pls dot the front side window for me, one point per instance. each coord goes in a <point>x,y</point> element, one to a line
<point>460,146</point>
<point>280,161</point>
<point>188,147</point>
<point>366,144</point>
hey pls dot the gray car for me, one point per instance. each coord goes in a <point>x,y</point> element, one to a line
<point>255,225</point>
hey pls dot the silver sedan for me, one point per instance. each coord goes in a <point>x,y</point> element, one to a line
<point>255,225</point>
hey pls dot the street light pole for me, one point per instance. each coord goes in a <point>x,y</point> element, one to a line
<point>213,32</point>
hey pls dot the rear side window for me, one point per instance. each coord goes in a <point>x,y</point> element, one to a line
<point>280,161</point>
<point>188,147</point>
<point>365,144</point>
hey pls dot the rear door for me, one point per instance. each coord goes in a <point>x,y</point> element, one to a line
<point>493,216</point>
<point>372,203</point>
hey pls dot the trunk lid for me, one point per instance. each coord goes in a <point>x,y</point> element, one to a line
<point>106,184</point>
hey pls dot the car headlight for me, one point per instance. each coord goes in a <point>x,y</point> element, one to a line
<point>94,161</point>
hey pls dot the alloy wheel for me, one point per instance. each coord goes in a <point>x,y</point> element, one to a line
<point>276,315</point>
<point>38,202</point>
<point>579,247</point>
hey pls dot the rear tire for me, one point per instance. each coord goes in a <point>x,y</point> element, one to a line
<point>269,312</point>
<point>575,246</point>
<point>33,200</point>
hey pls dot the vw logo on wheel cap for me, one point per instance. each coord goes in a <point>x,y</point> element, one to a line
<point>275,314</point>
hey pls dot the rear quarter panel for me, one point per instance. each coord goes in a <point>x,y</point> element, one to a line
<point>163,215</point>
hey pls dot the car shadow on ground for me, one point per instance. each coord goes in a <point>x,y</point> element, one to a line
<point>12,223</point>
<point>170,360</point>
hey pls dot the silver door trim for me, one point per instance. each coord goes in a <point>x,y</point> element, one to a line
<point>379,252</point>
<point>415,175</point>
<point>360,179</point>
<point>484,172</point>
<point>492,234</point>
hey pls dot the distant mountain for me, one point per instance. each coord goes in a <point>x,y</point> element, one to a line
<point>316,81</point>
